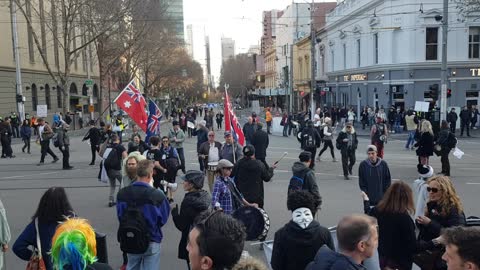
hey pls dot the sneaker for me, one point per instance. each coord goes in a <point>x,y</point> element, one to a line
<point>55,160</point>
<point>346,177</point>
<point>111,203</point>
<point>40,163</point>
<point>350,171</point>
<point>68,168</point>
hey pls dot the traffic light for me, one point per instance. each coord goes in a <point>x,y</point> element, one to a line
<point>449,92</point>
<point>433,91</point>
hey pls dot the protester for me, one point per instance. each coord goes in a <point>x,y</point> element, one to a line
<point>231,150</point>
<point>225,194</point>
<point>348,142</point>
<point>465,119</point>
<point>351,116</point>
<point>249,174</point>
<point>74,246</point>
<point>168,161</point>
<point>129,172</point>
<point>182,122</point>
<point>301,171</point>
<point>378,135</point>
<point>445,141</point>
<point>15,122</point>
<point>248,130</point>
<point>191,119</point>
<point>310,141</point>
<point>461,248</point>
<point>296,243</point>
<point>411,122</point>
<point>143,249</point>
<point>210,154</point>
<point>215,242</point>
<point>452,118</point>
<point>137,144</point>
<point>119,127</point>
<point>473,109</point>
<point>219,119</point>
<point>6,138</point>
<point>260,141</point>
<point>420,189</point>
<point>357,241</point>
<point>268,119</point>
<point>374,176</point>
<point>114,167</point>
<point>202,136</point>
<point>94,135</point>
<point>285,124</point>
<point>397,239</point>
<point>328,139</point>
<point>5,235</point>
<point>444,210</point>
<point>196,200</point>
<point>45,133</point>
<point>135,132</point>
<point>425,143</point>
<point>26,134</point>
<point>364,117</point>
<point>64,144</point>
<point>177,137</point>
<point>54,207</point>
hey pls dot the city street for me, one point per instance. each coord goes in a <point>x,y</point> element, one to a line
<point>22,184</point>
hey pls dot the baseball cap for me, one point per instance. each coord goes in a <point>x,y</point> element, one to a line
<point>305,156</point>
<point>224,163</point>
<point>227,133</point>
<point>174,123</point>
<point>371,148</point>
<point>249,150</point>
<point>425,171</point>
<point>195,177</point>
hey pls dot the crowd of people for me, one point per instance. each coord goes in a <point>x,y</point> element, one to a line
<point>212,229</point>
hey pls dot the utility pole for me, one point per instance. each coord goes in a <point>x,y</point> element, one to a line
<point>312,60</point>
<point>18,78</point>
<point>290,81</point>
<point>443,96</point>
<point>90,90</point>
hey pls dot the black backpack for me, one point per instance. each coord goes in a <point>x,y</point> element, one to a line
<point>133,233</point>
<point>451,141</point>
<point>112,162</point>
<point>308,139</point>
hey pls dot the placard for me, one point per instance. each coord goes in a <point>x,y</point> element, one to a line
<point>421,106</point>
<point>42,111</point>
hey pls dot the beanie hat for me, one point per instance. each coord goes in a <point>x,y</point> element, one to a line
<point>249,150</point>
<point>194,177</point>
<point>425,171</point>
<point>305,156</point>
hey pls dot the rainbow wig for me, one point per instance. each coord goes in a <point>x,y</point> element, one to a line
<point>74,245</point>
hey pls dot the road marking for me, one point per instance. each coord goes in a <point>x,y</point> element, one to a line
<point>20,176</point>
<point>473,183</point>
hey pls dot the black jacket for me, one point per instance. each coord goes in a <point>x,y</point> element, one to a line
<point>327,259</point>
<point>94,135</point>
<point>465,116</point>
<point>202,136</point>
<point>192,205</point>
<point>396,239</point>
<point>452,117</point>
<point>314,133</point>
<point>93,266</point>
<point>300,170</point>
<point>260,141</point>
<point>294,247</point>
<point>249,176</point>
<point>343,135</point>
<point>374,179</point>
<point>425,145</point>
<point>141,147</point>
<point>248,130</point>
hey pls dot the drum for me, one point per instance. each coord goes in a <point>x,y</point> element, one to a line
<point>190,125</point>
<point>256,221</point>
<point>212,166</point>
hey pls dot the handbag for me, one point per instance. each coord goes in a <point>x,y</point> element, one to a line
<point>426,259</point>
<point>36,261</point>
<point>47,133</point>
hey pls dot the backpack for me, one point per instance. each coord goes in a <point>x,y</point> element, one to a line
<point>55,140</point>
<point>451,141</point>
<point>308,139</point>
<point>133,232</point>
<point>112,161</point>
<point>296,184</point>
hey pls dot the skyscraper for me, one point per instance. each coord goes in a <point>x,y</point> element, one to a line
<point>189,40</point>
<point>228,48</point>
<point>175,15</point>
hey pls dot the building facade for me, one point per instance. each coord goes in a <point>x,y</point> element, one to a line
<point>228,48</point>
<point>38,87</point>
<point>388,52</point>
<point>175,13</point>
<point>302,74</point>
<point>189,41</point>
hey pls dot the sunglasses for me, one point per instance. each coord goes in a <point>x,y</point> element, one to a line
<point>165,141</point>
<point>211,135</point>
<point>433,190</point>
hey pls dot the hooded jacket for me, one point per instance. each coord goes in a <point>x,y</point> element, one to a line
<point>327,259</point>
<point>300,170</point>
<point>192,205</point>
<point>374,179</point>
<point>249,176</point>
<point>294,247</point>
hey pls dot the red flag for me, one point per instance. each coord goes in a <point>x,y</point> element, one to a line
<point>231,122</point>
<point>133,103</point>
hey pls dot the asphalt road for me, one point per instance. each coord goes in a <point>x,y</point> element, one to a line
<point>22,183</point>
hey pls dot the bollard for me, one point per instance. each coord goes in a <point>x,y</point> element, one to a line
<point>102,253</point>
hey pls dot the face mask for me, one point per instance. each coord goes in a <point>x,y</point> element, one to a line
<point>302,216</point>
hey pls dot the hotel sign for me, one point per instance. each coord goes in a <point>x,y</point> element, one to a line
<point>475,72</point>
<point>355,77</point>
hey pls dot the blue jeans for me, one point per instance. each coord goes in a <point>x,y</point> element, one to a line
<point>396,126</point>
<point>411,138</point>
<point>148,260</point>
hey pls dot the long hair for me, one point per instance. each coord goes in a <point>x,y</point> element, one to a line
<point>426,127</point>
<point>74,245</point>
<point>450,200</point>
<point>54,206</point>
<point>398,199</point>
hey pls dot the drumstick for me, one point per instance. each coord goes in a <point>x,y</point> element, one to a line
<point>284,154</point>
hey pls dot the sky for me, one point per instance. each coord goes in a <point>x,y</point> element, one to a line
<point>240,20</point>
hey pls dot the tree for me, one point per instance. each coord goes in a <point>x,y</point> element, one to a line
<point>239,74</point>
<point>468,7</point>
<point>73,27</point>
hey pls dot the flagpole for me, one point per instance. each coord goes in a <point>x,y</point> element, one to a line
<point>115,100</point>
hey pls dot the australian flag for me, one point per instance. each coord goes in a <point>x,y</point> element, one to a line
<point>153,123</point>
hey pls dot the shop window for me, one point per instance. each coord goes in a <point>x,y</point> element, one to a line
<point>431,52</point>
<point>59,96</point>
<point>47,96</point>
<point>34,97</point>
<point>474,43</point>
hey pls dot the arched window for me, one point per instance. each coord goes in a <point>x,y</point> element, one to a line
<point>73,89</point>
<point>47,96</point>
<point>84,90</point>
<point>59,96</point>
<point>34,97</point>
<point>95,90</point>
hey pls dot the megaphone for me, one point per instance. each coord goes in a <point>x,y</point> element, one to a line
<point>172,186</point>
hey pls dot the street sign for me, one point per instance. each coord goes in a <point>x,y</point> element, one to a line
<point>91,108</point>
<point>89,82</point>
